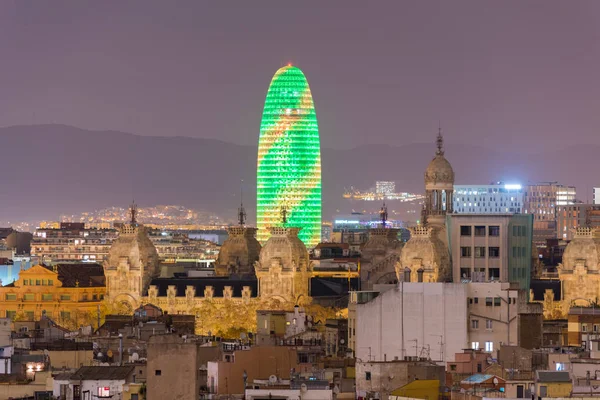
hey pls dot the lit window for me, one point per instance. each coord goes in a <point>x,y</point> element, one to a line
<point>489,346</point>
<point>560,366</point>
<point>103,391</point>
<point>475,345</point>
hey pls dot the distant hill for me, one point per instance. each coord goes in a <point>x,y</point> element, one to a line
<point>57,169</point>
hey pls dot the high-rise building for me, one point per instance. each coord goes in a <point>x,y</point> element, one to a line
<point>288,192</point>
<point>385,188</point>
<point>597,195</point>
<point>541,200</point>
<point>497,198</point>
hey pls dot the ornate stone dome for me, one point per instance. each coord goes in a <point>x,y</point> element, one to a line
<point>239,251</point>
<point>426,252</point>
<point>134,244</point>
<point>583,248</point>
<point>381,242</point>
<point>284,246</point>
<point>439,170</point>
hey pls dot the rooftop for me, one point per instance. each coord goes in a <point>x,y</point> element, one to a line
<point>103,373</point>
<point>553,376</point>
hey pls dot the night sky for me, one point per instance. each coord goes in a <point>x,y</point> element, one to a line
<point>497,74</point>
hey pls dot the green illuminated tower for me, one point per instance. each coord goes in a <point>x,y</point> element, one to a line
<point>289,159</point>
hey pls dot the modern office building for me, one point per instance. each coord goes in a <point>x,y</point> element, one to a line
<point>597,195</point>
<point>498,198</point>
<point>573,216</point>
<point>541,200</point>
<point>289,159</point>
<point>488,248</point>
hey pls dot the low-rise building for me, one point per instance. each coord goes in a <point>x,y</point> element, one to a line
<point>294,389</point>
<point>93,382</point>
<point>553,384</point>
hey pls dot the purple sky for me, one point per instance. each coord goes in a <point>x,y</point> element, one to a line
<point>498,74</point>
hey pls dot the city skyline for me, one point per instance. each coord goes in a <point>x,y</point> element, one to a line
<point>533,84</point>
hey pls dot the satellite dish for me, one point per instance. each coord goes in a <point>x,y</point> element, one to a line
<point>303,388</point>
<point>100,355</point>
<point>273,379</point>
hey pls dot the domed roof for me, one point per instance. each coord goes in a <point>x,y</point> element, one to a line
<point>439,169</point>
<point>381,242</point>
<point>425,246</point>
<point>584,246</point>
<point>134,244</point>
<point>240,250</point>
<point>285,246</point>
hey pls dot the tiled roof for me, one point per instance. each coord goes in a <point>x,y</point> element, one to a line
<point>553,376</point>
<point>98,373</point>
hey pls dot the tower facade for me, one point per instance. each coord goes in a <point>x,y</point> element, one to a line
<point>439,187</point>
<point>289,159</point>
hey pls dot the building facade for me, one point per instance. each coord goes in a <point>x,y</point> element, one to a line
<point>498,198</point>
<point>541,200</point>
<point>289,159</point>
<point>72,242</point>
<point>488,248</point>
<point>597,195</point>
<point>573,216</point>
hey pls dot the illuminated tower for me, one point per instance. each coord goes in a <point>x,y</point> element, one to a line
<point>289,159</point>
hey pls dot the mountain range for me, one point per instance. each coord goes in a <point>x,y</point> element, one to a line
<point>51,170</point>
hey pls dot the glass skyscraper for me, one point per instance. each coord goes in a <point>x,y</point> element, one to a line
<point>289,159</point>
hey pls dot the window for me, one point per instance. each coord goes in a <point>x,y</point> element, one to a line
<point>476,300</point>
<point>488,301</point>
<point>65,315</point>
<point>50,282</point>
<point>84,297</point>
<point>480,231</point>
<point>488,324</point>
<point>595,328</point>
<point>25,282</point>
<point>583,328</point>
<point>465,252</point>
<point>47,297</point>
<point>28,315</point>
<point>157,372</point>
<point>494,230</point>
<point>65,297</point>
<point>134,396</point>
<point>475,345</point>
<point>29,296</point>
<point>494,252</point>
<point>497,301</point>
<point>11,296</point>
<point>494,274</point>
<point>479,367</point>
<point>368,375</point>
<point>560,366</point>
<point>465,273</point>
<point>479,252</point>
<point>38,282</point>
<point>420,275</point>
<point>465,230</point>
<point>452,367</point>
<point>103,391</point>
<point>94,297</point>
<point>474,324</point>
<point>11,314</point>
<point>489,346</point>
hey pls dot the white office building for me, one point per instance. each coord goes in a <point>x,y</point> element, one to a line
<point>496,198</point>
<point>597,195</point>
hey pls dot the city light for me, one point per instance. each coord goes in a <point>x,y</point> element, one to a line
<point>289,159</point>
<point>512,186</point>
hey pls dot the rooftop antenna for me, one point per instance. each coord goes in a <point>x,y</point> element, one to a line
<point>383,214</point>
<point>241,210</point>
<point>439,142</point>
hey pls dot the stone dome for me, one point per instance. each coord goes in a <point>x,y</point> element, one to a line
<point>284,246</point>
<point>439,171</point>
<point>584,247</point>
<point>134,244</point>
<point>239,251</point>
<point>381,242</point>
<point>425,251</point>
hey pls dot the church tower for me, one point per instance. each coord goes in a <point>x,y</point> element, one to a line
<point>439,187</point>
<point>131,264</point>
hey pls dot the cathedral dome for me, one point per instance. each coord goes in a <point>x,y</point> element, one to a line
<point>134,244</point>
<point>584,247</point>
<point>285,246</point>
<point>239,252</point>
